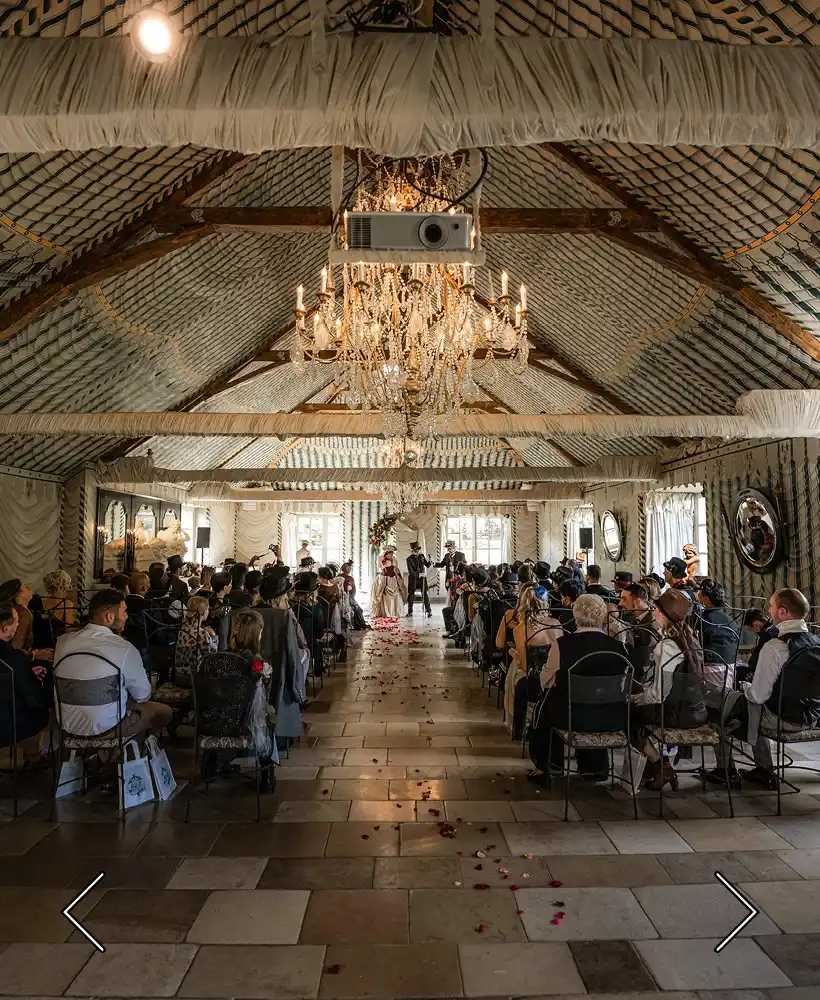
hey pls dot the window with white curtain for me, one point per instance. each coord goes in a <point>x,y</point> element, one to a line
<point>481,539</point>
<point>701,536</point>
<point>672,521</point>
<point>323,533</point>
<point>193,518</point>
<point>574,520</point>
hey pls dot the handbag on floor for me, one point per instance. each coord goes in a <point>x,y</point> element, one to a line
<point>137,786</point>
<point>161,769</point>
<point>638,765</point>
<point>71,776</point>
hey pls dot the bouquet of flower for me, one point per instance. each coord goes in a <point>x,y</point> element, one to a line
<point>381,529</point>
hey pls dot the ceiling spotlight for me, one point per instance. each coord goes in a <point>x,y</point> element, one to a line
<point>153,34</point>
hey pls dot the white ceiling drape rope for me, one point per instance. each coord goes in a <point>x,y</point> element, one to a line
<point>405,95</point>
<point>761,413</point>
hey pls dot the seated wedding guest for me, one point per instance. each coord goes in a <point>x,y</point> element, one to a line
<point>677,652</point>
<point>177,586</point>
<point>529,630</point>
<point>252,584</point>
<point>195,640</point>
<point>570,591</point>
<point>760,700</point>
<point>594,585</point>
<point>74,659</point>
<point>481,587</point>
<point>52,613</point>
<point>137,629</point>
<point>329,593</point>
<point>652,586</point>
<point>244,657</point>
<point>310,615</point>
<point>158,582</point>
<point>719,637</point>
<point>29,715</point>
<point>757,630</point>
<point>205,582</point>
<point>239,596</point>
<point>640,633</point>
<point>19,594</point>
<point>349,583</point>
<point>120,582</point>
<point>606,659</point>
<point>220,589</point>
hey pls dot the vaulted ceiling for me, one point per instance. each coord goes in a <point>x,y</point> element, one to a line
<point>715,293</point>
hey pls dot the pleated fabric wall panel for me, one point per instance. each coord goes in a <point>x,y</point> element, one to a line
<point>223,531</point>
<point>30,511</point>
<point>255,531</point>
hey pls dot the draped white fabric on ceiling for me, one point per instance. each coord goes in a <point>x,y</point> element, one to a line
<point>670,524</point>
<point>405,94</point>
<point>760,413</point>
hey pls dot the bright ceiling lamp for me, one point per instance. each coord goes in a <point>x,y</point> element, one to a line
<point>153,35</point>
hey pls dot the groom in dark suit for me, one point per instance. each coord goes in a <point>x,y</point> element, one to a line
<point>417,566</point>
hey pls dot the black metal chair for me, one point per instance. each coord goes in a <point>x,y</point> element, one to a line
<point>586,691</point>
<point>80,692</point>
<point>223,691</point>
<point>327,640</point>
<point>7,693</point>
<point>688,691</point>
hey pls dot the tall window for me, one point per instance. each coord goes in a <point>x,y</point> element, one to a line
<point>701,536</point>
<point>324,536</point>
<point>481,539</point>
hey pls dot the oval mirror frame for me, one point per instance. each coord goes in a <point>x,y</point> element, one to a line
<point>757,531</point>
<point>611,536</point>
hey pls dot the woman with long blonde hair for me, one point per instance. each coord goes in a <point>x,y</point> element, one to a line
<point>530,626</point>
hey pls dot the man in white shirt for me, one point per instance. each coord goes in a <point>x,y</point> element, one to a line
<point>88,654</point>
<point>788,610</point>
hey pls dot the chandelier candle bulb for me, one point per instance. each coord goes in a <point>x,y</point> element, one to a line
<point>517,316</point>
<point>523,298</point>
<point>300,304</point>
<point>324,280</point>
<point>505,285</point>
<point>467,275</point>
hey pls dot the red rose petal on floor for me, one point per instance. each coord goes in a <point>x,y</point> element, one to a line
<point>481,885</point>
<point>555,883</point>
<point>514,888</point>
<point>377,828</point>
<point>560,914</point>
<point>459,853</point>
<point>559,902</point>
<point>480,928</point>
<point>365,836</point>
<point>325,791</point>
<point>399,805</point>
<point>334,970</point>
<point>520,912</point>
<point>556,922</point>
<point>483,829</point>
<point>479,868</point>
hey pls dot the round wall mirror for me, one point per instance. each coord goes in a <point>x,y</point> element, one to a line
<point>611,535</point>
<point>757,531</point>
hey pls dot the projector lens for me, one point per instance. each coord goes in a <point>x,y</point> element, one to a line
<point>432,234</point>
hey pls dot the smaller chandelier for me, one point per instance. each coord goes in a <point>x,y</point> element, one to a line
<point>407,496</point>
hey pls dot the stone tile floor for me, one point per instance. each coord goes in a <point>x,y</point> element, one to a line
<point>348,888</point>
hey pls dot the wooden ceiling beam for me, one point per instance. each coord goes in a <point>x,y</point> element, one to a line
<point>698,264</point>
<point>117,253</point>
<point>494,220</point>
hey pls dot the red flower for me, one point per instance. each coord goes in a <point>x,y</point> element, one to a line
<point>257,666</point>
<point>480,928</point>
<point>555,883</point>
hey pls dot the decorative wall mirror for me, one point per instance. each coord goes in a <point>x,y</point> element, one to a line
<point>116,521</point>
<point>757,531</point>
<point>168,517</point>
<point>145,521</point>
<point>611,536</point>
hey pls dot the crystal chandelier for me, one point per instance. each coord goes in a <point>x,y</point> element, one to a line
<point>407,496</point>
<point>409,337</point>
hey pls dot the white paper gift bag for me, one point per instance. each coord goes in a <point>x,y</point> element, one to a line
<point>71,776</point>
<point>161,769</point>
<point>137,785</point>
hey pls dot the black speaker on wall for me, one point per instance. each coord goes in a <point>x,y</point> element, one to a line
<point>203,538</point>
<point>585,538</point>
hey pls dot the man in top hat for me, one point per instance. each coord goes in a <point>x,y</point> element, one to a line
<point>451,558</point>
<point>417,566</point>
<point>622,580</point>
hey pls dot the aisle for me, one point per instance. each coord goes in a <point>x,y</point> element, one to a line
<point>405,855</point>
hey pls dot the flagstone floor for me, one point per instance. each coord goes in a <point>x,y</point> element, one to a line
<point>405,855</point>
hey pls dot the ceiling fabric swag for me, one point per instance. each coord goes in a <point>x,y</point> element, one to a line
<point>225,491</point>
<point>405,95</point>
<point>615,469</point>
<point>761,414</point>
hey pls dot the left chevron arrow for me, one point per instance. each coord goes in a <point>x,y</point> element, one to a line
<point>68,915</point>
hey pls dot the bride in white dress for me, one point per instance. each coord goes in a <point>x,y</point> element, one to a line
<point>389,589</point>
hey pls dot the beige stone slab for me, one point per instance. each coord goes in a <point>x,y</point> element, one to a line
<point>743,834</point>
<point>364,789</point>
<point>134,970</point>
<point>383,812</point>
<point>359,772</point>
<point>255,972</point>
<point>259,916</point>
<point>323,811</point>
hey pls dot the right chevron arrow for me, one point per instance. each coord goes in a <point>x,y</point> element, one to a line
<point>753,911</point>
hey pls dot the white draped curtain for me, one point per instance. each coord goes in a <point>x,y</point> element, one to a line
<point>670,524</point>
<point>574,520</point>
<point>506,540</point>
<point>290,543</point>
